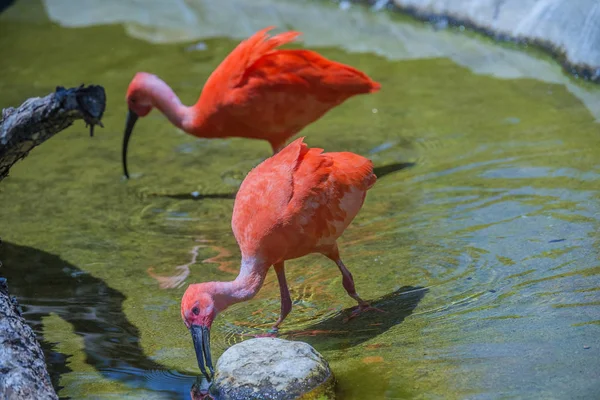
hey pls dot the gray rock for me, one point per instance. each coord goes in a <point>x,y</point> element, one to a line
<point>23,374</point>
<point>270,368</point>
<point>569,28</point>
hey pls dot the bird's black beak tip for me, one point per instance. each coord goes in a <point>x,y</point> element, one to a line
<point>201,339</point>
<point>132,117</point>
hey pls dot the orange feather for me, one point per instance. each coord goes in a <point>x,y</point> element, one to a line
<point>261,92</point>
<point>299,202</point>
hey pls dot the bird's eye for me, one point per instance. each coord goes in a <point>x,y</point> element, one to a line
<point>132,101</point>
<point>196,310</point>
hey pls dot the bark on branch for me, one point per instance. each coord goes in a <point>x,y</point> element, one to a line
<point>38,119</point>
<point>23,373</point>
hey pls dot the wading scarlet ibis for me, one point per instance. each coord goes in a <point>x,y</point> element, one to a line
<point>257,92</point>
<point>297,202</point>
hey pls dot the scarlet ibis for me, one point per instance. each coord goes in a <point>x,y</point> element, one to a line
<point>297,202</point>
<point>257,92</point>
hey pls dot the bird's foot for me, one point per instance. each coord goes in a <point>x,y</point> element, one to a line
<point>273,332</point>
<point>362,308</point>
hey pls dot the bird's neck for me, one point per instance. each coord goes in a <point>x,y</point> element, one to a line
<point>244,287</point>
<point>165,99</point>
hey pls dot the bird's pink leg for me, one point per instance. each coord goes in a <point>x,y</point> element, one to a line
<point>348,282</point>
<point>286,300</point>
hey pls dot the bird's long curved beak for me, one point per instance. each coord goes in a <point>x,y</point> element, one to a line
<point>201,338</point>
<point>131,120</point>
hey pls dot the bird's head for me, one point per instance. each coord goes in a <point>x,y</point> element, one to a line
<point>139,103</point>
<point>139,94</point>
<point>198,312</point>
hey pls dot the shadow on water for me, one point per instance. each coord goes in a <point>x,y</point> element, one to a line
<point>338,333</point>
<point>380,172</point>
<point>44,283</point>
<point>4,4</point>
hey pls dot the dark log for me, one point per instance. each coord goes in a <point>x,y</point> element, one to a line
<point>23,373</point>
<point>38,119</point>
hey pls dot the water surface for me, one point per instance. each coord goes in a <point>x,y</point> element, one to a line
<point>484,253</point>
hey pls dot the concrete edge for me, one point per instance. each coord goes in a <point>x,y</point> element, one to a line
<point>444,20</point>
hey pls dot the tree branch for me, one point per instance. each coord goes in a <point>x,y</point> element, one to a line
<point>23,373</point>
<point>38,119</point>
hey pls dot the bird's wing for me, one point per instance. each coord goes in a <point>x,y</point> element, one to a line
<point>263,196</point>
<point>306,67</point>
<point>300,192</point>
<point>271,90</point>
<point>234,67</point>
<point>284,90</point>
<point>329,189</point>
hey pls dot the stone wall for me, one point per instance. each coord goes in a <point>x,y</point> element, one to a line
<point>569,29</point>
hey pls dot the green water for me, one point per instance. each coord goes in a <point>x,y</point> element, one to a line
<point>484,253</point>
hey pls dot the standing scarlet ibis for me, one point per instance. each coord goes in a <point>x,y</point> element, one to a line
<point>297,202</point>
<point>257,92</point>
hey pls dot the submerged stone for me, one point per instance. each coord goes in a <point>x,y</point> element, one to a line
<point>270,368</point>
